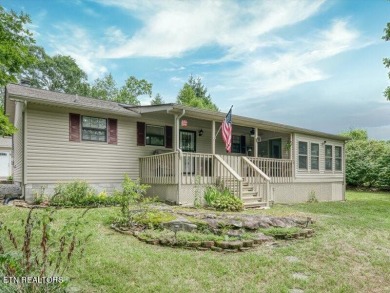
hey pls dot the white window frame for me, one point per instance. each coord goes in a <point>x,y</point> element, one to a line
<point>303,155</point>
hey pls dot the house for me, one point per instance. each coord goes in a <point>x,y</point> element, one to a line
<point>5,158</point>
<point>171,147</point>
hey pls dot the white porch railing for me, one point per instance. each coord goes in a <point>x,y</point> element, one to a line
<point>256,178</point>
<point>197,168</point>
<point>279,170</point>
<point>159,169</point>
<point>227,177</point>
<point>206,169</point>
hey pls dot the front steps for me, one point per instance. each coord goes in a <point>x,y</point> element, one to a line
<point>250,197</point>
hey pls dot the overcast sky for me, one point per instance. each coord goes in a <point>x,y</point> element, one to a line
<point>313,64</point>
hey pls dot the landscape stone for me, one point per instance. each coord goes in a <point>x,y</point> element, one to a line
<point>235,244</point>
<point>300,276</point>
<point>216,248</point>
<point>222,244</point>
<point>180,225</point>
<point>247,243</point>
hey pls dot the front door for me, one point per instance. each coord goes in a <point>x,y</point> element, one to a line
<point>275,148</point>
<point>188,141</point>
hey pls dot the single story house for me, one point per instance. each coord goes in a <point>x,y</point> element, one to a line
<point>171,147</point>
<point>5,157</point>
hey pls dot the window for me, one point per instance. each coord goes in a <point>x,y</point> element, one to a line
<point>302,155</point>
<point>155,135</point>
<point>338,158</point>
<point>315,153</point>
<point>94,129</point>
<point>236,144</point>
<point>328,158</point>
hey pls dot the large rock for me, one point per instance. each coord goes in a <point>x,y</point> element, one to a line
<point>10,190</point>
<point>180,225</point>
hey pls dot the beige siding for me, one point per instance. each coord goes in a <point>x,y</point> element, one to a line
<point>18,143</point>
<point>52,158</point>
<point>313,175</point>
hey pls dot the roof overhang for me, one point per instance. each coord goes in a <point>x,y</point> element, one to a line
<point>209,115</point>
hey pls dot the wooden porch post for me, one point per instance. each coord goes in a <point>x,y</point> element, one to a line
<point>175,132</point>
<point>255,144</point>
<point>213,137</point>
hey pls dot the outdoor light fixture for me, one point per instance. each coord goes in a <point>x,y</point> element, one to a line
<point>252,132</point>
<point>201,132</point>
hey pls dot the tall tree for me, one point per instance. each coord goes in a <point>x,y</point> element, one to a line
<point>104,88</point>
<point>194,94</point>
<point>386,61</point>
<point>15,42</point>
<point>15,56</point>
<point>157,100</point>
<point>58,73</point>
<point>132,89</point>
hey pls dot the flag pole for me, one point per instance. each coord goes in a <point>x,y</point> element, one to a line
<point>219,129</point>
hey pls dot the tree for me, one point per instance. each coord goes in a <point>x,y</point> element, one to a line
<point>194,94</point>
<point>132,89</point>
<point>386,61</point>
<point>157,100</point>
<point>16,40</point>
<point>58,73</point>
<point>104,88</point>
<point>367,160</point>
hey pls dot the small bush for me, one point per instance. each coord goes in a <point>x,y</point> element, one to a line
<point>81,194</point>
<point>222,199</point>
<point>132,192</point>
<point>280,231</point>
<point>152,218</point>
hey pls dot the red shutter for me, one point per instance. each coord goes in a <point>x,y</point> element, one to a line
<point>140,133</point>
<point>168,137</point>
<point>74,127</point>
<point>243,144</point>
<point>112,131</point>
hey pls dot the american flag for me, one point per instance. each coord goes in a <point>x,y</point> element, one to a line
<point>227,129</point>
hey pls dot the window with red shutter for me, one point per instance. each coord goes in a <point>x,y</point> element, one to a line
<point>112,131</point>
<point>74,127</point>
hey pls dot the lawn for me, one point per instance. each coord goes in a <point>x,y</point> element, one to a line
<point>349,253</point>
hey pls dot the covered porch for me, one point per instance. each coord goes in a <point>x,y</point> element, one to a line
<point>260,157</point>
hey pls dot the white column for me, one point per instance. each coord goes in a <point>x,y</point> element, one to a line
<point>255,144</point>
<point>175,133</point>
<point>213,137</point>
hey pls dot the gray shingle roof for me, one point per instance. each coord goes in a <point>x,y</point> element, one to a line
<point>67,100</point>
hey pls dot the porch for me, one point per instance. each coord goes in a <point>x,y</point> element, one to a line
<point>248,178</point>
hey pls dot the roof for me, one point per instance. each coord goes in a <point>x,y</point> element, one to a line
<point>61,99</point>
<point>239,120</point>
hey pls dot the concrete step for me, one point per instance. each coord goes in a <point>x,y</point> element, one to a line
<point>255,205</point>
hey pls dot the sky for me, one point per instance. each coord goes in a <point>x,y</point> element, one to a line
<point>315,64</point>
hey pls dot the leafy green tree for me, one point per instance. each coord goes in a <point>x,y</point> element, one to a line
<point>104,88</point>
<point>132,89</point>
<point>157,100</point>
<point>194,94</point>
<point>15,42</point>
<point>386,61</point>
<point>58,73</point>
<point>367,161</point>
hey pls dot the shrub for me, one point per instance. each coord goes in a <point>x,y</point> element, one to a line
<point>132,192</point>
<point>80,194</point>
<point>222,199</point>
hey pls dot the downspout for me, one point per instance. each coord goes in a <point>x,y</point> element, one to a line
<point>180,154</point>
<point>24,179</point>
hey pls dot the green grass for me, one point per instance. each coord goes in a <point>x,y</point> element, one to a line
<point>350,252</point>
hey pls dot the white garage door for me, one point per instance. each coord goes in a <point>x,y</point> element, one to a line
<point>5,162</point>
